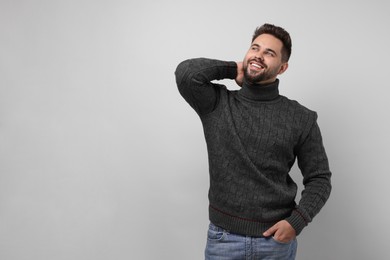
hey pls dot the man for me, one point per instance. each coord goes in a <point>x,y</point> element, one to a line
<point>253,137</point>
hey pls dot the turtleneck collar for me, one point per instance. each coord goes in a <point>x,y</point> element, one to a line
<point>260,92</point>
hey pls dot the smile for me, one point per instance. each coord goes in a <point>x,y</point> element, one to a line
<point>256,66</point>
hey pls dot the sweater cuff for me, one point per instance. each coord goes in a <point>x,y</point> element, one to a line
<point>231,69</point>
<point>298,220</point>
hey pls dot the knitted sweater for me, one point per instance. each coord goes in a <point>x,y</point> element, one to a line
<point>253,137</point>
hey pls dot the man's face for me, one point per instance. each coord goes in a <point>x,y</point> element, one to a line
<point>263,61</point>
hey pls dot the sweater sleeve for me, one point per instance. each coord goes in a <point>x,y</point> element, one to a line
<point>313,163</point>
<point>193,79</point>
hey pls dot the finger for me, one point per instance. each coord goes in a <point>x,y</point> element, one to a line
<point>270,231</point>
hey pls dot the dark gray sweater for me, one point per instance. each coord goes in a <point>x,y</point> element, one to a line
<point>253,137</point>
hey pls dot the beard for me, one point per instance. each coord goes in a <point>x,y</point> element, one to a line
<point>256,77</point>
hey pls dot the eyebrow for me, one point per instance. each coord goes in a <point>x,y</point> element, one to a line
<point>267,49</point>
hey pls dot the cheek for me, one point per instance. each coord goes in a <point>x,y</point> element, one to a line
<point>245,61</point>
<point>247,56</point>
<point>273,64</point>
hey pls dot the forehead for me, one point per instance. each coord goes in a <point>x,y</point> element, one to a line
<point>269,41</point>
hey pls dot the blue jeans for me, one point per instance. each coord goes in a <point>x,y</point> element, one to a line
<point>222,245</point>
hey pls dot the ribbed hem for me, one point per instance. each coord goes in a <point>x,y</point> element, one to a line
<point>298,221</point>
<point>238,225</point>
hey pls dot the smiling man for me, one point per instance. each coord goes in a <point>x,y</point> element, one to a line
<point>254,135</point>
<point>264,60</point>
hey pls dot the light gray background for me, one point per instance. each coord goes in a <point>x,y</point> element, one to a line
<point>100,157</point>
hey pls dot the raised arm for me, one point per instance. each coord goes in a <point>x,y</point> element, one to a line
<point>194,80</point>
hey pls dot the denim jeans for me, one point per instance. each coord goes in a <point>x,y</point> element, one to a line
<point>222,245</point>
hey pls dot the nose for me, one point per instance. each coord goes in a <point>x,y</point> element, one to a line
<point>259,56</point>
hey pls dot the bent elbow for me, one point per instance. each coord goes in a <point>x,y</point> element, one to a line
<point>182,72</point>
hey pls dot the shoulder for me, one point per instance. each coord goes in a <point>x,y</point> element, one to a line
<point>299,108</point>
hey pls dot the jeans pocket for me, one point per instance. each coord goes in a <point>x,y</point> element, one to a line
<point>216,233</point>
<point>280,242</point>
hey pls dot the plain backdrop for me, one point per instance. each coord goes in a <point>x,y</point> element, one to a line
<point>101,158</point>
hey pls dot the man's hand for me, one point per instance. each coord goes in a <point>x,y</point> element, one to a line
<point>281,231</point>
<point>240,74</point>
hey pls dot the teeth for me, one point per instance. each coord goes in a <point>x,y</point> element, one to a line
<point>256,65</point>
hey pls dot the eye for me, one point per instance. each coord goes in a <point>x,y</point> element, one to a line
<point>254,48</point>
<point>270,53</point>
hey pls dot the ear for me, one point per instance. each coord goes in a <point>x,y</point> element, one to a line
<point>283,68</point>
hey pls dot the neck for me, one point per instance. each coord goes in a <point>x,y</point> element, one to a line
<point>260,92</point>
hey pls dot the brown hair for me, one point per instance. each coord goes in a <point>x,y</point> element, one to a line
<point>279,33</point>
